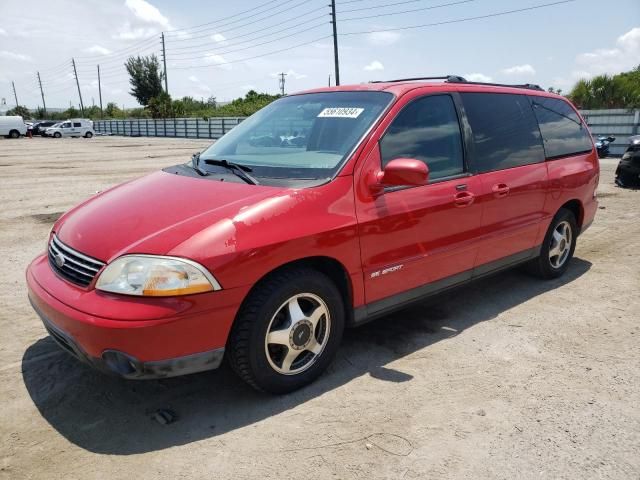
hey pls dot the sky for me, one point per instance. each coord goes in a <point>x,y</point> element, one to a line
<point>224,49</point>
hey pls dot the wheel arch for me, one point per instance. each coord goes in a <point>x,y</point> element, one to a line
<point>575,206</point>
<point>330,267</point>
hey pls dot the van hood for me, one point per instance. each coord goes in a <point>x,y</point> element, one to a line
<point>154,214</point>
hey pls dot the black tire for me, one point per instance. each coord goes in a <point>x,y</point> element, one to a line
<point>543,266</point>
<point>88,135</point>
<point>14,134</point>
<point>57,135</point>
<point>247,350</point>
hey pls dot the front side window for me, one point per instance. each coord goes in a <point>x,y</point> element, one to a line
<point>562,130</point>
<point>302,136</point>
<point>427,130</point>
<point>66,125</point>
<point>505,131</point>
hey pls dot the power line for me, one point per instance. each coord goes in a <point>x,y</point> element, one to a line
<point>227,40</point>
<point>369,7</point>
<point>305,30</point>
<point>270,15</point>
<point>460,20</point>
<point>253,22</point>
<point>431,7</point>
<point>220,64</point>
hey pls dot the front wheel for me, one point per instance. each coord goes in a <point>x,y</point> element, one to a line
<point>57,134</point>
<point>287,331</point>
<point>558,246</point>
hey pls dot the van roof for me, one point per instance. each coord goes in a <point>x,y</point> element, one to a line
<point>442,83</point>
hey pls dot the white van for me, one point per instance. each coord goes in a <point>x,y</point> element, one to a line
<point>12,126</point>
<point>74,127</point>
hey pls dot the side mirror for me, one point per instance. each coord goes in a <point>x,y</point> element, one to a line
<point>400,172</point>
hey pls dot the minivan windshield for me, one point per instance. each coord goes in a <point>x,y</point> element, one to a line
<point>304,137</point>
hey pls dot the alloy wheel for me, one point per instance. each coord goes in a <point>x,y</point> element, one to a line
<point>297,334</point>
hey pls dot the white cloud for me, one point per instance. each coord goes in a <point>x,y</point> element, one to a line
<point>15,56</point>
<point>623,57</point>
<point>194,79</point>
<point>383,38</point>
<point>128,32</point>
<point>147,12</point>
<point>98,49</point>
<point>374,66</point>
<point>524,69</point>
<point>217,60</point>
<point>218,37</point>
<point>478,77</point>
<point>3,32</point>
<point>613,60</point>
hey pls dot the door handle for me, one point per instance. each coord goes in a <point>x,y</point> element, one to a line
<point>463,199</point>
<point>500,190</point>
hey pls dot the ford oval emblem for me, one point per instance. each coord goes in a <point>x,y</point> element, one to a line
<point>59,259</point>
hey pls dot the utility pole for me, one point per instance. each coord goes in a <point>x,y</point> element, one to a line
<point>281,82</point>
<point>100,91</point>
<point>14,92</point>
<point>44,105</point>
<point>335,41</point>
<point>75,72</point>
<point>164,61</point>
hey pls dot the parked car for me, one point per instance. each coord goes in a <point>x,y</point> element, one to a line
<point>76,127</point>
<point>263,251</point>
<point>12,126</point>
<point>40,127</point>
<point>628,170</point>
<point>602,145</point>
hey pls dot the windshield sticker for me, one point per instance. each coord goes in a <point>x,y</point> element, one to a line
<point>341,112</point>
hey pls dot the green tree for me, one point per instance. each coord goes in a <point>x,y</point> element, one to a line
<point>161,106</point>
<point>20,111</point>
<point>112,111</point>
<point>605,91</point>
<point>145,78</point>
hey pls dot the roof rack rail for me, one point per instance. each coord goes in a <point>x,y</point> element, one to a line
<point>447,78</point>
<point>459,79</point>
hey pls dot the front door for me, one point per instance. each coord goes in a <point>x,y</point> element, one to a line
<point>412,237</point>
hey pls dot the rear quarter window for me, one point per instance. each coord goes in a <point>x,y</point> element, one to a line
<point>505,131</point>
<point>562,130</point>
<point>77,124</point>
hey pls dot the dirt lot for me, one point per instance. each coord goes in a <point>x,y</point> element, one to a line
<point>510,377</point>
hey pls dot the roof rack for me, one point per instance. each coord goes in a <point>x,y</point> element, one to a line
<point>459,79</point>
<point>447,78</point>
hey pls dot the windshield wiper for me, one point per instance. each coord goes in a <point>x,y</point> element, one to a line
<point>195,160</point>
<point>238,169</point>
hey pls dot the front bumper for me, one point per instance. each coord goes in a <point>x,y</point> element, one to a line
<point>189,336</point>
<point>124,365</point>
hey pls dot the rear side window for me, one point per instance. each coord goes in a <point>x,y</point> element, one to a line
<point>427,130</point>
<point>505,131</point>
<point>77,124</point>
<point>562,130</point>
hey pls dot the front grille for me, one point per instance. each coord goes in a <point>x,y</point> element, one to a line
<point>72,265</point>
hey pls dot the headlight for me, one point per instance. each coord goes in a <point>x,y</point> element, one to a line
<point>155,276</point>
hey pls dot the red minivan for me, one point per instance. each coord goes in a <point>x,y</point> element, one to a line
<point>324,210</point>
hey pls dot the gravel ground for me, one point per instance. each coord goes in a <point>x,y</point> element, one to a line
<point>510,377</point>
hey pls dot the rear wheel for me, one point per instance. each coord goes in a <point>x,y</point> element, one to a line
<point>558,246</point>
<point>88,135</point>
<point>14,134</point>
<point>287,331</point>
